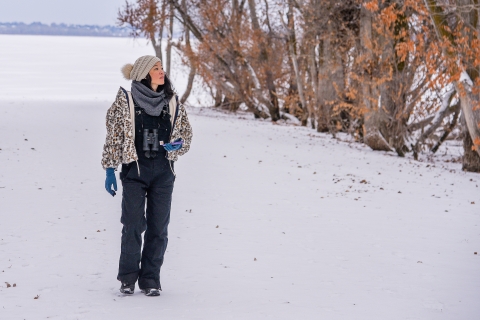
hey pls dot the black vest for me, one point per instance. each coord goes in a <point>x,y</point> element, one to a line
<point>145,121</point>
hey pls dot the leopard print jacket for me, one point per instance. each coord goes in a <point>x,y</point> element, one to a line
<point>120,142</point>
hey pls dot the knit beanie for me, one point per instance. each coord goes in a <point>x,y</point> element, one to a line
<point>140,68</point>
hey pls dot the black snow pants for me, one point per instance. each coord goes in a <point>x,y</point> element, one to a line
<point>154,186</point>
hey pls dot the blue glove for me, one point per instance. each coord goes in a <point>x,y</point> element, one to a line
<point>111,180</point>
<point>173,146</point>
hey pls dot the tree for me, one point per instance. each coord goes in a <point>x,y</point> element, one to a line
<point>226,59</point>
<point>145,18</point>
<point>375,69</point>
<point>457,28</point>
<point>148,18</point>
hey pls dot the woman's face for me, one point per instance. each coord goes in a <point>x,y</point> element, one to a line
<point>157,74</point>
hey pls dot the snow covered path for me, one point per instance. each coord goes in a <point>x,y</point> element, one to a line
<point>268,222</point>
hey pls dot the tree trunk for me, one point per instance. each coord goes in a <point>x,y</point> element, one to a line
<point>312,63</point>
<point>471,159</point>
<point>370,95</point>
<point>189,53</point>
<point>257,113</point>
<point>293,56</point>
<point>449,129</point>
<point>292,105</point>
<point>218,98</point>
<point>273,105</point>
<point>157,46</point>
<point>371,135</point>
<point>312,68</point>
<point>324,86</point>
<point>193,68</point>
<point>331,77</point>
<point>157,43</point>
<point>170,36</point>
<point>435,123</point>
<point>468,100</point>
<point>188,90</point>
<point>392,89</point>
<point>292,50</point>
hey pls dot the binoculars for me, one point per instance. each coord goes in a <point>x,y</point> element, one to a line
<point>150,142</point>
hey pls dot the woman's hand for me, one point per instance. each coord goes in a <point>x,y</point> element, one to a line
<point>173,146</point>
<point>111,180</point>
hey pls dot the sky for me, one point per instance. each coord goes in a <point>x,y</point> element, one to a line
<point>98,12</point>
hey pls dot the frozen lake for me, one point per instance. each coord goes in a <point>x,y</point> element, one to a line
<point>75,68</point>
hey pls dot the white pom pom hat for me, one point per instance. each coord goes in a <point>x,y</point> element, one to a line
<point>140,68</point>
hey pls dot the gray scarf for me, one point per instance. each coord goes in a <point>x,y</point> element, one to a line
<point>151,101</point>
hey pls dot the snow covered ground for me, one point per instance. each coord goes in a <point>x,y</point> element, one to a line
<point>268,221</point>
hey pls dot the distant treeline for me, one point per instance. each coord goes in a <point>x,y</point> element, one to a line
<point>37,28</point>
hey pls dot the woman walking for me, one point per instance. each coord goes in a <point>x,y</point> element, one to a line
<point>147,130</point>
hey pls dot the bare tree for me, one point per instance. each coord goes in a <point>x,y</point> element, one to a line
<point>145,18</point>
<point>463,68</point>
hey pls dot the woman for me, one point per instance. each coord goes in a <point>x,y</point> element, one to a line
<point>147,130</point>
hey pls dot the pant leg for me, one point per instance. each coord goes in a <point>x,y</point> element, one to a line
<point>159,201</point>
<point>134,224</point>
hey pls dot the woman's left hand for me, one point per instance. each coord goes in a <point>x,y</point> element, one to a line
<point>111,181</point>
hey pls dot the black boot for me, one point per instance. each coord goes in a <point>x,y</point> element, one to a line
<point>127,288</point>
<point>151,292</point>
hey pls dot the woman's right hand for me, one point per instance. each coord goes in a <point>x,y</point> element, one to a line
<point>110,181</point>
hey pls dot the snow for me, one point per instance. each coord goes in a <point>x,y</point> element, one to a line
<point>309,227</point>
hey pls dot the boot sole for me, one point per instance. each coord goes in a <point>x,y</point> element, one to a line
<point>128,292</point>
<point>152,294</point>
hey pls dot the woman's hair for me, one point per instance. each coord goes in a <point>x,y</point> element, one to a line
<point>167,86</point>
